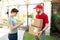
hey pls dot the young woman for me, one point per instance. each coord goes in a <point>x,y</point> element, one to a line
<point>13,25</point>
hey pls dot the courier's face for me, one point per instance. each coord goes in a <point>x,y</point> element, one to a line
<point>38,10</point>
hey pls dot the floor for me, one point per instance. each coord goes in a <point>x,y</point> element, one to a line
<point>4,34</point>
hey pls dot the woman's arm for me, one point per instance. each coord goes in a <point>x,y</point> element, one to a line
<point>14,27</point>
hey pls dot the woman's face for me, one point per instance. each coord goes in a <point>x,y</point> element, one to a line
<point>14,13</point>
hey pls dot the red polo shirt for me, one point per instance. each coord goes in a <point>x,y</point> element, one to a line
<point>44,17</point>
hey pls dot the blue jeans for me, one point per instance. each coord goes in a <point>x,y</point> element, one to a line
<point>13,36</point>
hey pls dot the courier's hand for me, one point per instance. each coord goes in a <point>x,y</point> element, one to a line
<point>40,33</point>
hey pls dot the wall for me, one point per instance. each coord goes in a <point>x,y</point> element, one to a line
<point>47,10</point>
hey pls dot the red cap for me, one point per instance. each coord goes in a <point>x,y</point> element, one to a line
<point>39,6</point>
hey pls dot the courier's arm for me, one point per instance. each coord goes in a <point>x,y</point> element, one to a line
<point>46,26</point>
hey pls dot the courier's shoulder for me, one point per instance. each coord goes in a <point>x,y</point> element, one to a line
<point>45,14</point>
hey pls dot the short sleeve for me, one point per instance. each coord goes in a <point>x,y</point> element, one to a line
<point>36,16</point>
<point>46,19</point>
<point>10,21</point>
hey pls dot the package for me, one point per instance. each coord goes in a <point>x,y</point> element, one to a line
<point>34,30</point>
<point>35,27</point>
<point>37,22</point>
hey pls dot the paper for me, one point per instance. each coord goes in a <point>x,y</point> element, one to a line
<point>35,29</point>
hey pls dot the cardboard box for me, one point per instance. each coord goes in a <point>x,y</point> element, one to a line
<point>34,30</point>
<point>37,22</point>
<point>36,27</point>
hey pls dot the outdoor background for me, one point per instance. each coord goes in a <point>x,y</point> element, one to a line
<point>27,14</point>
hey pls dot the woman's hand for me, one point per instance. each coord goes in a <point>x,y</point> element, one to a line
<point>19,24</point>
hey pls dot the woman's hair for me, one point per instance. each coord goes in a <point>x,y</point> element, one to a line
<point>7,13</point>
<point>14,10</point>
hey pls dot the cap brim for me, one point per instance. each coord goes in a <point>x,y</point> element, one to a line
<point>34,8</point>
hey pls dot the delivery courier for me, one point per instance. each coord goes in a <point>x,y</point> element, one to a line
<point>41,15</point>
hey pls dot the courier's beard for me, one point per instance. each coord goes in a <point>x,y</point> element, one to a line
<point>38,12</point>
